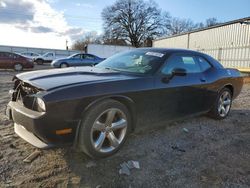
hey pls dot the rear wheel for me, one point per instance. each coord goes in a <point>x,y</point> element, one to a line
<point>18,67</point>
<point>39,61</point>
<point>104,129</point>
<point>223,104</point>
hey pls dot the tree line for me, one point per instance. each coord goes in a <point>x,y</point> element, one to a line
<point>137,23</point>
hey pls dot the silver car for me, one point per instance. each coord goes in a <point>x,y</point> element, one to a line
<point>79,59</point>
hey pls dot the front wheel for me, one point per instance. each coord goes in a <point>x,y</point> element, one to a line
<point>63,65</point>
<point>223,104</point>
<point>104,129</point>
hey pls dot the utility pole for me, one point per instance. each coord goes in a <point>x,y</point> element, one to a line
<point>67,48</point>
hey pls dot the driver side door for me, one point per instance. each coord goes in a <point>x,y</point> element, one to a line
<point>76,60</point>
<point>180,95</point>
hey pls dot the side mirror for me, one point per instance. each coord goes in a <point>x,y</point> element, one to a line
<point>179,72</point>
<point>175,72</point>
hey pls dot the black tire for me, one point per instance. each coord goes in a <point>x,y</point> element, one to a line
<point>18,67</point>
<point>85,139</point>
<point>215,111</point>
<point>64,65</point>
<point>39,61</point>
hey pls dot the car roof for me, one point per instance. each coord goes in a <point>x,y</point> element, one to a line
<point>28,52</point>
<point>169,51</point>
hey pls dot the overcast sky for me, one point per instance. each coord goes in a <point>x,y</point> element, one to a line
<point>49,23</point>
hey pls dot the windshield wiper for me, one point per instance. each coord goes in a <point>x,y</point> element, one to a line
<point>109,68</point>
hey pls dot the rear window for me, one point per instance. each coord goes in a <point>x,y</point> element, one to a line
<point>5,54</point>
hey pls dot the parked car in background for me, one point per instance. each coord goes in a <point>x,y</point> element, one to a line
<point>97,107</point>
<point>14,61</point>
<point>79,59</point>
<point>48,58</point>
<point>31,55</point>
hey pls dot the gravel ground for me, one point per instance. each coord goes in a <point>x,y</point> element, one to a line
<point>210,154</point>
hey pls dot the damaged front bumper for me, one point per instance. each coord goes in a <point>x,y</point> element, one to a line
<point>40,128</point>
<point>22,115</point>
<point>30,137</point>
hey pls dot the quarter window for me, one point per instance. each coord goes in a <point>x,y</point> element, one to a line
<point>204,64</point>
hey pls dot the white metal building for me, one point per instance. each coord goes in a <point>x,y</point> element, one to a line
<point>20,49</point>
<point>106,51</point>
<point>228,42</point>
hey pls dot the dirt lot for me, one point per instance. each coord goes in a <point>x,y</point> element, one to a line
<point>211,154</point>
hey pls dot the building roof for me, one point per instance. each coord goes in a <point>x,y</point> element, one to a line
<point>241,20</point>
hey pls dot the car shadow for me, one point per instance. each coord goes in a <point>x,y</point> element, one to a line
<point>151,147</point>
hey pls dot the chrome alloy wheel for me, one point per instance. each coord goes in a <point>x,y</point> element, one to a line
<point>224,103</point>
<point>109,130</point>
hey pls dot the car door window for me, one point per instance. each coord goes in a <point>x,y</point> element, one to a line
<point>49,55</point>
<point>78,56</point>
<point>89,57</point>
<point>15,56</point>
<point>82,56</point>
<point>204,64</point>
<point>9,55</point>
<point>186,62</point>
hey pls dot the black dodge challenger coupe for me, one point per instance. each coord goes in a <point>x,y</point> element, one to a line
<point>97,107</point>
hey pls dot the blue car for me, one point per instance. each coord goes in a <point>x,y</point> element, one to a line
<point>80,59</point>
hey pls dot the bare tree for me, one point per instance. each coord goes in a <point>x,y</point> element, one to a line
<point>133,21</point>
<point>178,25</point>
<point>174,25</point>
<point>211,22</point>
<point>88,38</point>
<point>110,39</point>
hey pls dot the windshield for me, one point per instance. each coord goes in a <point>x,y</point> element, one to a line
<point>73,55</point>
<point>134,61</point>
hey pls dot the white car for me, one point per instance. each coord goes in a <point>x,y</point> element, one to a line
<point>30,55</point>
<point>48,58</point>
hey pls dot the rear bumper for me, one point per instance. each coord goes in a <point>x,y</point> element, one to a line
<point>39,128</point>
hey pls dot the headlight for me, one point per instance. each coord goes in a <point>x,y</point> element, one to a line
<point>54,63</point>
<point>40,105</point>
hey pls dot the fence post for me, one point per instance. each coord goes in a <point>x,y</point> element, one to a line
<point>188,40</point>
<point>219,54</point>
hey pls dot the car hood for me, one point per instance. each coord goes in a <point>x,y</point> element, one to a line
<point>57,78</point>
